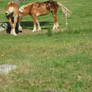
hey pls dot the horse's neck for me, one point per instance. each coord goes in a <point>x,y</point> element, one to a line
<point>23,13</point>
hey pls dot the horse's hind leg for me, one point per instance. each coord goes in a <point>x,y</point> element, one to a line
<point>39,28</point>
<point>35,23</point>
<point>56,25</point>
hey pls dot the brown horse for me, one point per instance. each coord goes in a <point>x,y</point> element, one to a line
<point>12,14</point>
<point>12,11</point>
<point>42,8</point>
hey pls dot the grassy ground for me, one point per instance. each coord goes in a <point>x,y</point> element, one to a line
<point>62,61</point>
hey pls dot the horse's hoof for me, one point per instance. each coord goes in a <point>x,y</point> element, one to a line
<point>33,30</point>
<point>20,31</point>
<point>39,29</point>
<point>14,34</point>
<point>55,28</point>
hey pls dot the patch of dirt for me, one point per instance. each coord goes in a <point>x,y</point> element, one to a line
<point>29,31</point>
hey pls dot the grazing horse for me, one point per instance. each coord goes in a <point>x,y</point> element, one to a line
<point>12,13</point>
<point>36,9</point>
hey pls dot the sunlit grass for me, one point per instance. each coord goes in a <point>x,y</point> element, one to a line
<point>60,60</point>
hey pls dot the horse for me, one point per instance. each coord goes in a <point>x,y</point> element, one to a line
<point>36,9</point>
<point>12,13</point>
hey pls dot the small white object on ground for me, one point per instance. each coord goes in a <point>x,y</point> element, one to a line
<point>3,26</point>
<point>6,68</point>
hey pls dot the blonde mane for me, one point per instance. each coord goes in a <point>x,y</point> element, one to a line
<point>10,2</point>
<point>21,9</point>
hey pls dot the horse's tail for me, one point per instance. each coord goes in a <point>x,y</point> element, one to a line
<point>65,10</point>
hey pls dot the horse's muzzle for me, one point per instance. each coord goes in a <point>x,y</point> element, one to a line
<point>8,14</point>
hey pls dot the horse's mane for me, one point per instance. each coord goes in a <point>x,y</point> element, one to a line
<point>10,2</point>
<point>24,6</point>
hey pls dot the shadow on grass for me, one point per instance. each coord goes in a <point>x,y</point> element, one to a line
<point>29,24</point>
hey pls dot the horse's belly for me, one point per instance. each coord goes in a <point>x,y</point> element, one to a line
<point>41,13</point>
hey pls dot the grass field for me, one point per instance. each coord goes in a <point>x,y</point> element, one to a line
<point>60,61</point>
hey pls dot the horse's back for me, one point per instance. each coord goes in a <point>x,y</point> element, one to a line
<point>43,8</point>
<point>39,9</point>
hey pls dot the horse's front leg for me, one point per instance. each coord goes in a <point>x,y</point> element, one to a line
<point>19,26</point>
<point>35,24</point>
<point>13,25</point>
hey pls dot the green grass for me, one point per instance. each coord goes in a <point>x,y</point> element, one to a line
<point>53,60</point>
<point>62,61</point>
